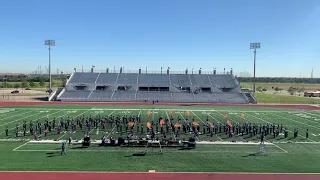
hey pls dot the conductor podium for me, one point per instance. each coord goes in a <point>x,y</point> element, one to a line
<point>86,141</point>
<point>191,144</point>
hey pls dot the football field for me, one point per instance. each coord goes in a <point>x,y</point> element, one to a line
<point>220,153</point>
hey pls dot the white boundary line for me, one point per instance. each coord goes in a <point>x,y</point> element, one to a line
<point>15,149</point>
<point>133,172</point>
<point>139,150</point>
<point>159,109</point>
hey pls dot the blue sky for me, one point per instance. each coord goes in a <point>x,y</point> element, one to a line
<point>162,33</point>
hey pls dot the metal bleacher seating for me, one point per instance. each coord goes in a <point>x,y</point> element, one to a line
<point>209,88</point>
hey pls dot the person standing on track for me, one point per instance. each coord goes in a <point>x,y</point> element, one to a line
<point>7,131</point>
<point>63,148</point>
<point>262,138</point>
<point>69,142</point>
<point>35,136</point>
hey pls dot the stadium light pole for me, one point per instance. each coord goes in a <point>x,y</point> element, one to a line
<point>50,43</point>
<point>254,46</point>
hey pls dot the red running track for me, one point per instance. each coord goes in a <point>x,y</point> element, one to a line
<point>289,106</point>
<point>149,176</point>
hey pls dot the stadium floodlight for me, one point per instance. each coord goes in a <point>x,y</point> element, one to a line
<point>254,46</point>
<point>50,43</point>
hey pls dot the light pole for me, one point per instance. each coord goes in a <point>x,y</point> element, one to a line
<point>254,46</point>
<point>50,43</point>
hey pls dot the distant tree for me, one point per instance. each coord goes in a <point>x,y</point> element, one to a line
<point>292,90</point>
<point>300,90</point>
<point>259,89</point>
<point>41,83</point>
<point>32,84</point>
<point>24,84</point>
<point>64,82</point>
<point>264,89</point>
<point>53,83</point>
<point>16,85</point>
<point>36,85</point>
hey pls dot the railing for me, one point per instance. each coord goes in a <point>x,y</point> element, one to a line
<point>60,94</point>
<point>69,78</point>
<point>153,71</point>
<point>115,85</point>
<point>52,95</point>
<point>135,96</point>
<point>23,98</point>
<point>159,99</point>
<point>194,97</point>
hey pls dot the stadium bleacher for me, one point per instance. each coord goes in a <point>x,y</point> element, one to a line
<point>209,88</point>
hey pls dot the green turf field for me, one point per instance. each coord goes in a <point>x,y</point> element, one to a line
<point>301,155</point>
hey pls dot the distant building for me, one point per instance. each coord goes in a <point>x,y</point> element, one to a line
<point>13,75</point>
<point>312,94</point>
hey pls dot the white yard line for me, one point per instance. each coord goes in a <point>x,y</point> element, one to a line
<point>115,126</point>
<point>309,112</point>
<point>38,136</point>
<point>296,121</point>
<point>62,136</point>
<point>97,113</point>
<point>20,146</point>
<point>223,124</point>
<point>205,124</point>
<point>37,118</point>
<point>11,114</point>
<point>184,120</point>
<point>139,113</point>
<point>174,136</point>
<point>75,117</point>
<point>153,114</point>
<point>270,123</point>
<point>2,124</point>
<point>52,120</point>
<point>280,148</point>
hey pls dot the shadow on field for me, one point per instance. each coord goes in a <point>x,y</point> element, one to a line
<point>80,147</point>
<point>186,148</point>
<point>41,98</point>
<point>53,154</point>
<point>253,154</point>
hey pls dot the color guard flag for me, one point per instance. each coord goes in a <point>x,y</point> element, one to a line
<point>211,125</point>
<point>188,113</point>
<point>195,123</point>
<point>131,124</point>
<point>242,115</point>
<point>170,112</point>
<point>177,125</point>
<point>225,116</point>
<point>229,123</point>
<point>148,113</point>
<point>161,122</point>
<point>148,125</point>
